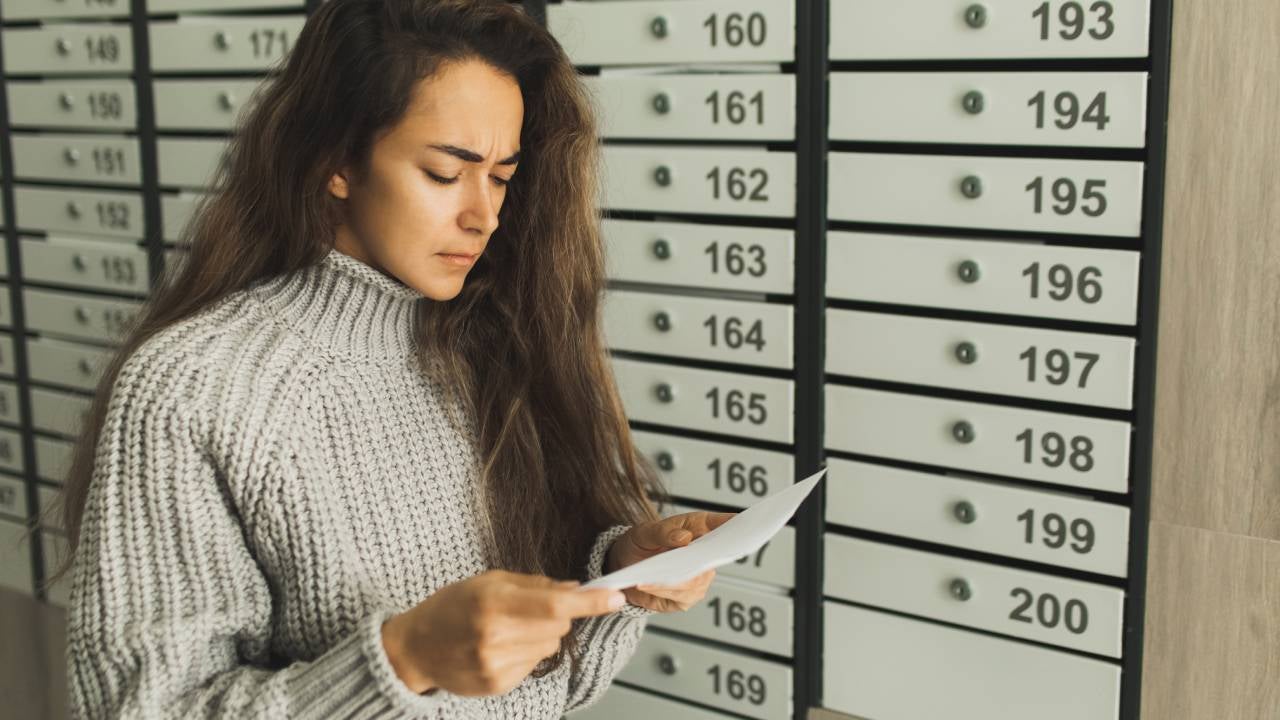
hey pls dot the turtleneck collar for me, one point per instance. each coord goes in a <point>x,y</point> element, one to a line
<point>346,305</point>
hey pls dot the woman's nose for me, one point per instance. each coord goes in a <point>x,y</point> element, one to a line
<point>481,212</point>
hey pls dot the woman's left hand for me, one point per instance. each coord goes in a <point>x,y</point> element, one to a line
<point>650,538</point>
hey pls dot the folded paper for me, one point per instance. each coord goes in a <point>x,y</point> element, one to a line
<point>744,533</point>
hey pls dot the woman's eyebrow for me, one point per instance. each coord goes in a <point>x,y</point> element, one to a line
<point>472,156</point>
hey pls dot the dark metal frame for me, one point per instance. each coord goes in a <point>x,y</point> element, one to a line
<point>1145,382</point>
<point>147,139</point>
<point>18,330</point>
<point>810,343</point>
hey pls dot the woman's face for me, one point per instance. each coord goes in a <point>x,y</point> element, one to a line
<point>424,209</point>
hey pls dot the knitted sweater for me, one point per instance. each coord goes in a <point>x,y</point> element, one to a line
<point>276,477</point>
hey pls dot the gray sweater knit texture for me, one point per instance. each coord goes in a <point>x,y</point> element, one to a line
<point>276,476</point>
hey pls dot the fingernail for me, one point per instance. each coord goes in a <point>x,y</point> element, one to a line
<point>617,600</point>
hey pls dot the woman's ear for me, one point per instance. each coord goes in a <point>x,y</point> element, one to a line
<point>339,186</point>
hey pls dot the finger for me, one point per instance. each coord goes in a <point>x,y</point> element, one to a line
<point>684,597</point>
<point>532,603</point>
<point>693,588</point>
<point>684,528</point>
<point>590,603</point>
<point>640,598</point>
<point>655,603</point>
<point>716,519</point>
<point>567,603</point>
<point>660,534</point>
<point>528,596</point>
<point>700,523</point>
<point>525,630</point>
<point>702,579</point>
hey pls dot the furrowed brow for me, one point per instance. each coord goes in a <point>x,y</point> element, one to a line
<point>472,156</point>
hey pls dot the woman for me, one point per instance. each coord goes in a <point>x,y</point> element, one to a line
<point>351,441</point>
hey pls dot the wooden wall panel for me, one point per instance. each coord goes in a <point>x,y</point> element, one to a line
<point>1217,446</point>
<point>1212,639</point>
<point>1213,626</point>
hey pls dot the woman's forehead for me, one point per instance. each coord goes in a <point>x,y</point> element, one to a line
<point>468,105</point>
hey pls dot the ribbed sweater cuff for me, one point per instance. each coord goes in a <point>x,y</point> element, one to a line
<point>595,566</point>
<point>355,680</point>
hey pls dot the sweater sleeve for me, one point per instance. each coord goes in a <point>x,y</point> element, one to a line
<point>170,614</point>
<point>607,641</point>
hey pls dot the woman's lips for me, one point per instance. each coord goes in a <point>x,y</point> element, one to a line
<point>458,260</point>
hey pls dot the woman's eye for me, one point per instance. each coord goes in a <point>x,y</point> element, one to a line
<point>441,180</point>
<point>500,181</point>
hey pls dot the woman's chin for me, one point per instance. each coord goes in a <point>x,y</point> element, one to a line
<point>442,289</point>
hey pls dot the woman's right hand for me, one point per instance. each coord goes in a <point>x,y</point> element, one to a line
<point>485,634</point>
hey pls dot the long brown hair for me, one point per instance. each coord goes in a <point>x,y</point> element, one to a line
<point>521,345</point>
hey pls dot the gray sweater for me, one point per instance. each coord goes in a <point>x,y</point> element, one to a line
<point>276,476</point>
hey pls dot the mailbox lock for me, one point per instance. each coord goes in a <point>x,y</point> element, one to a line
<point>666,461</point>
<point>973,102</point>
<point>967,353</point>
<point>664,392</point>
<point>965,512</point>
<point>975,16</point>
<point>969,271</point>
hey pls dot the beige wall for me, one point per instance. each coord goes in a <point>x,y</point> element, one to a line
<point>1213,590</point>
